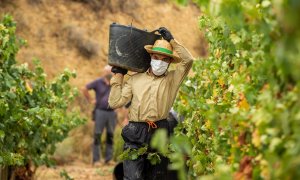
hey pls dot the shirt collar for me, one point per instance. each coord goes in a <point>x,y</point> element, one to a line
<point>150,74</point>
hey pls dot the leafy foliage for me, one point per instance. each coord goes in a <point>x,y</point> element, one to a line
<point>34,113</point>
<point>241,105</point>
<point>65,175</point>
<point>133,154</point>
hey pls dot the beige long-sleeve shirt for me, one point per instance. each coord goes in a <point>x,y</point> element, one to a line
<point>151,97</point>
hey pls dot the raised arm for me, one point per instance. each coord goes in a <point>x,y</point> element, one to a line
<point>119,95</point>
<point>186,63</point>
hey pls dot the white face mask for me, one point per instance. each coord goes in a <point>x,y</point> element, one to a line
<point>159,67</point>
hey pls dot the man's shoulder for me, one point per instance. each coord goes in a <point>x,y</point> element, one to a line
<point>170,73</point>
<point>136,75</point>
<point>100,79</point>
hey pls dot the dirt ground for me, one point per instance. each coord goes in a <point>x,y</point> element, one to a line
<point>77,171</point>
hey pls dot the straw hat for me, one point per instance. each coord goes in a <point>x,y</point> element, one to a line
<point>162,47</point>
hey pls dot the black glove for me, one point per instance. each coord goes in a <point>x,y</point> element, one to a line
<point>116,70</point>
<point>165,33</point>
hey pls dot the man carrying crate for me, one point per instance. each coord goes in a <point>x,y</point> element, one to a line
<point>152,94</point>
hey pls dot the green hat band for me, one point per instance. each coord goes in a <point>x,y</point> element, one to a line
<point>162,50</point>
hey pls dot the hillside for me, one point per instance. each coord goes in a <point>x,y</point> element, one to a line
<point>74,34</point>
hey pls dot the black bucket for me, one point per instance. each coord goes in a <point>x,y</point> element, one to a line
<point>126,47</point>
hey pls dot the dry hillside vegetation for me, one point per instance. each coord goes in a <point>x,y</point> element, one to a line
<point>74,33</point>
